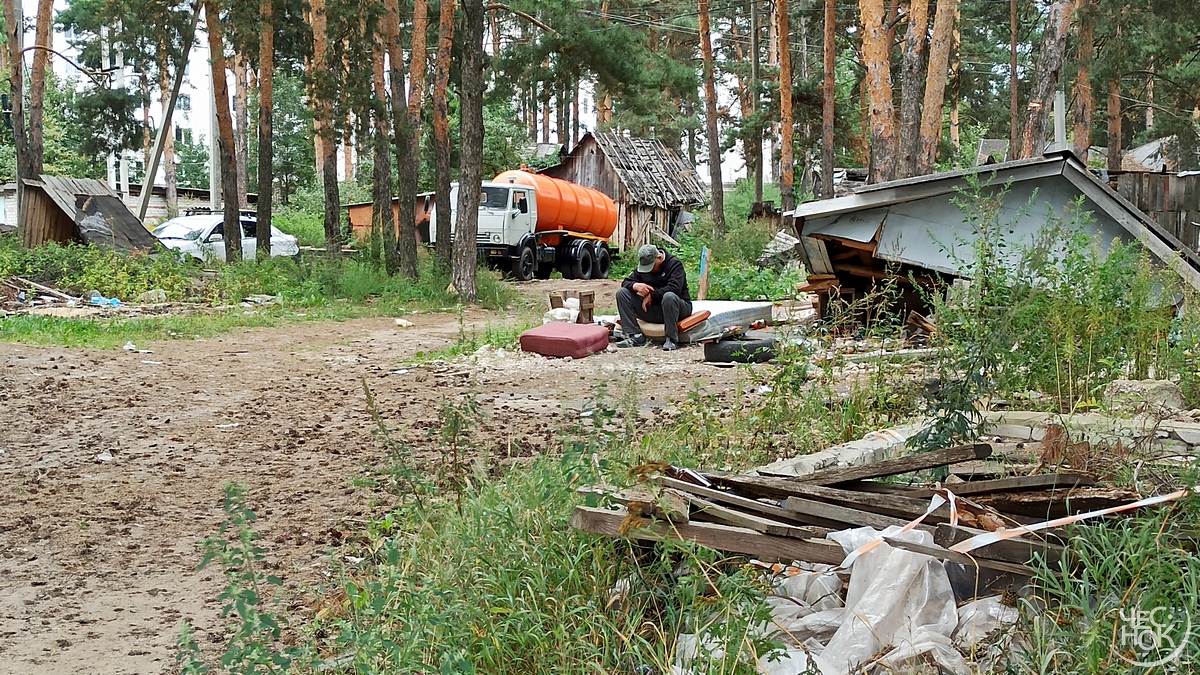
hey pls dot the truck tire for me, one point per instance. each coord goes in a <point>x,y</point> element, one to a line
<point>603,263</point>
<point>523,266</point>
<point>757,349</point>
<point>584,262</point>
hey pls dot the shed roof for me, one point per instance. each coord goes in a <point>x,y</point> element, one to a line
<point>650,171</point>
<point>99,214</point>
<point>893,206</point>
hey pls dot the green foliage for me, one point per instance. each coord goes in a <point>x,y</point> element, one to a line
<point>735,274</point>
<point>191,168</point>
<point>1060,316</point>
<point>78,268</point>
<point>1089,611</point>
<point>255,630</point>
<point>498,582</point>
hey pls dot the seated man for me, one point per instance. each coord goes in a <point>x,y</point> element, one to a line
<point>656,291</point>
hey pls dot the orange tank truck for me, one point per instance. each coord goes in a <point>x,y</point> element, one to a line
<point>530,225</point>
<point>563,205</point>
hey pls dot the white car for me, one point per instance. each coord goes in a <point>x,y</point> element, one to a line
<point>203,237</point>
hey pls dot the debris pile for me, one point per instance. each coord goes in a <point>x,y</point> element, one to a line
<point>873,574</point>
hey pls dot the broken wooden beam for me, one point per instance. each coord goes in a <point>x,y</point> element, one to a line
<point>1020,550</point>
<point>712,535</point>
<point>833,515</point>
<point>899,465</point>
<point>1059,480</point>
<point>702,508</point>
<point>773,510</point>
<point>962,558</point>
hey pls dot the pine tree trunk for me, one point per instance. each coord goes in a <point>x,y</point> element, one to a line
<point>877,51</point>
<point>956,84</point>
<point>787,123</point>
<point>392,238</point>
<point>225,143</point>
<point>266,135</point>
<point>1046,71</point>
<point>755,158</point>
<point>717,207</point>
<point>829,94</point>
<point>168,156</point>
<point>471,170</point>
<point>323,127</point>
<point>37,85</point>
<point>12,21</point>
<point>441,131</point>
<point>383,220</point>
<point>912,80</point>
<point>1115,151</point>
<point>409,133</point>
<point>935,85</point>
<point>1085,98</point>
<point>241,128</point>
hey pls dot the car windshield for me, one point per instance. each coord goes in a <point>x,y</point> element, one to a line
<point>178,230</point>
<point>494,198</point>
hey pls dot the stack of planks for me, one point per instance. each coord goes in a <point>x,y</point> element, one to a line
<point>786,518</point>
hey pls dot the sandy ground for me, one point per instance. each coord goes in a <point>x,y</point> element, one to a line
<point>99,555</point>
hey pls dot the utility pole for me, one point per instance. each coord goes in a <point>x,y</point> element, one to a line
<point>164,127</point>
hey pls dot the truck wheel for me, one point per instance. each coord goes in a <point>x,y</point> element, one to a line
<point>585,263</point>
<point>522,267</point>
<point>603,263</point>
<point>567,265</point>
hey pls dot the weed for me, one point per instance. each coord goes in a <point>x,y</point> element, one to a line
<point>251,645</point>
<point>1092,610</point>
<point>405,479</point>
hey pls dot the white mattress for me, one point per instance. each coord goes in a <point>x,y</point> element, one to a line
<point>725,313</point>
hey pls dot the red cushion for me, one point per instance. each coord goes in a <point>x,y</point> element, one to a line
<point>557,338</point>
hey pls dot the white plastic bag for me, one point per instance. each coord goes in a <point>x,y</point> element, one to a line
<point>560,314</point>
<point>980,618</point>
<point>894,597</point>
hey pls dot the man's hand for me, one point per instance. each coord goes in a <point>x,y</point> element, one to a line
<point>643,290</point>
<point>646,304</point>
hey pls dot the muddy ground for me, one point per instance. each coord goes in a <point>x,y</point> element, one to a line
<point>113,463</point>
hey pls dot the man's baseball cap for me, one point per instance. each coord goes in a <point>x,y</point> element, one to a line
<point>647,256</point>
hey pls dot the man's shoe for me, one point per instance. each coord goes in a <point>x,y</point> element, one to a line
<point>636,340</point>
<point>669,345</point>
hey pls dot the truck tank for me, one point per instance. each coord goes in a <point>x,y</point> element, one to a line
<point>563,205</point>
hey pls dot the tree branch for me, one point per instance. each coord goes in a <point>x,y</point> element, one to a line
<point>533,20</point>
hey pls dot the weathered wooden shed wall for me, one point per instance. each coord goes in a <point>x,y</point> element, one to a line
<point>44,221</point>
<point>648,182</point>
<point>1171,200</point>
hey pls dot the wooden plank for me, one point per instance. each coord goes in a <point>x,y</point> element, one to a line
<point>1049,480</point>
<point>820,513</point>
<point>1046,504</point>
<point>723,514</point>
<point>898,506</point>
<point>1020,550</point>
<point>739,501</point>
<point>712,535</point>
<point>962,558</point>
<point>899,465</point>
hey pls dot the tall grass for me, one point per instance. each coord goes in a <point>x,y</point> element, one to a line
<point>495,580</point>
<point>1092,611</point>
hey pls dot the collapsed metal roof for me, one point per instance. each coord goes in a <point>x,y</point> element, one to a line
<point>918,221</point>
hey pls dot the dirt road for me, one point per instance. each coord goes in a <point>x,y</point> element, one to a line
<point>113,464</point>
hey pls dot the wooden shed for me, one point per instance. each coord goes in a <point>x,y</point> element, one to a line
<point>65,210</point>
<point>649,183</point>
<point>361,215</point>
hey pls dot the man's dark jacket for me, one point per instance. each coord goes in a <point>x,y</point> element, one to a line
<point>670,278</point>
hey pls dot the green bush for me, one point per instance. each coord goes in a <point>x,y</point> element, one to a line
<point>79,268</point>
